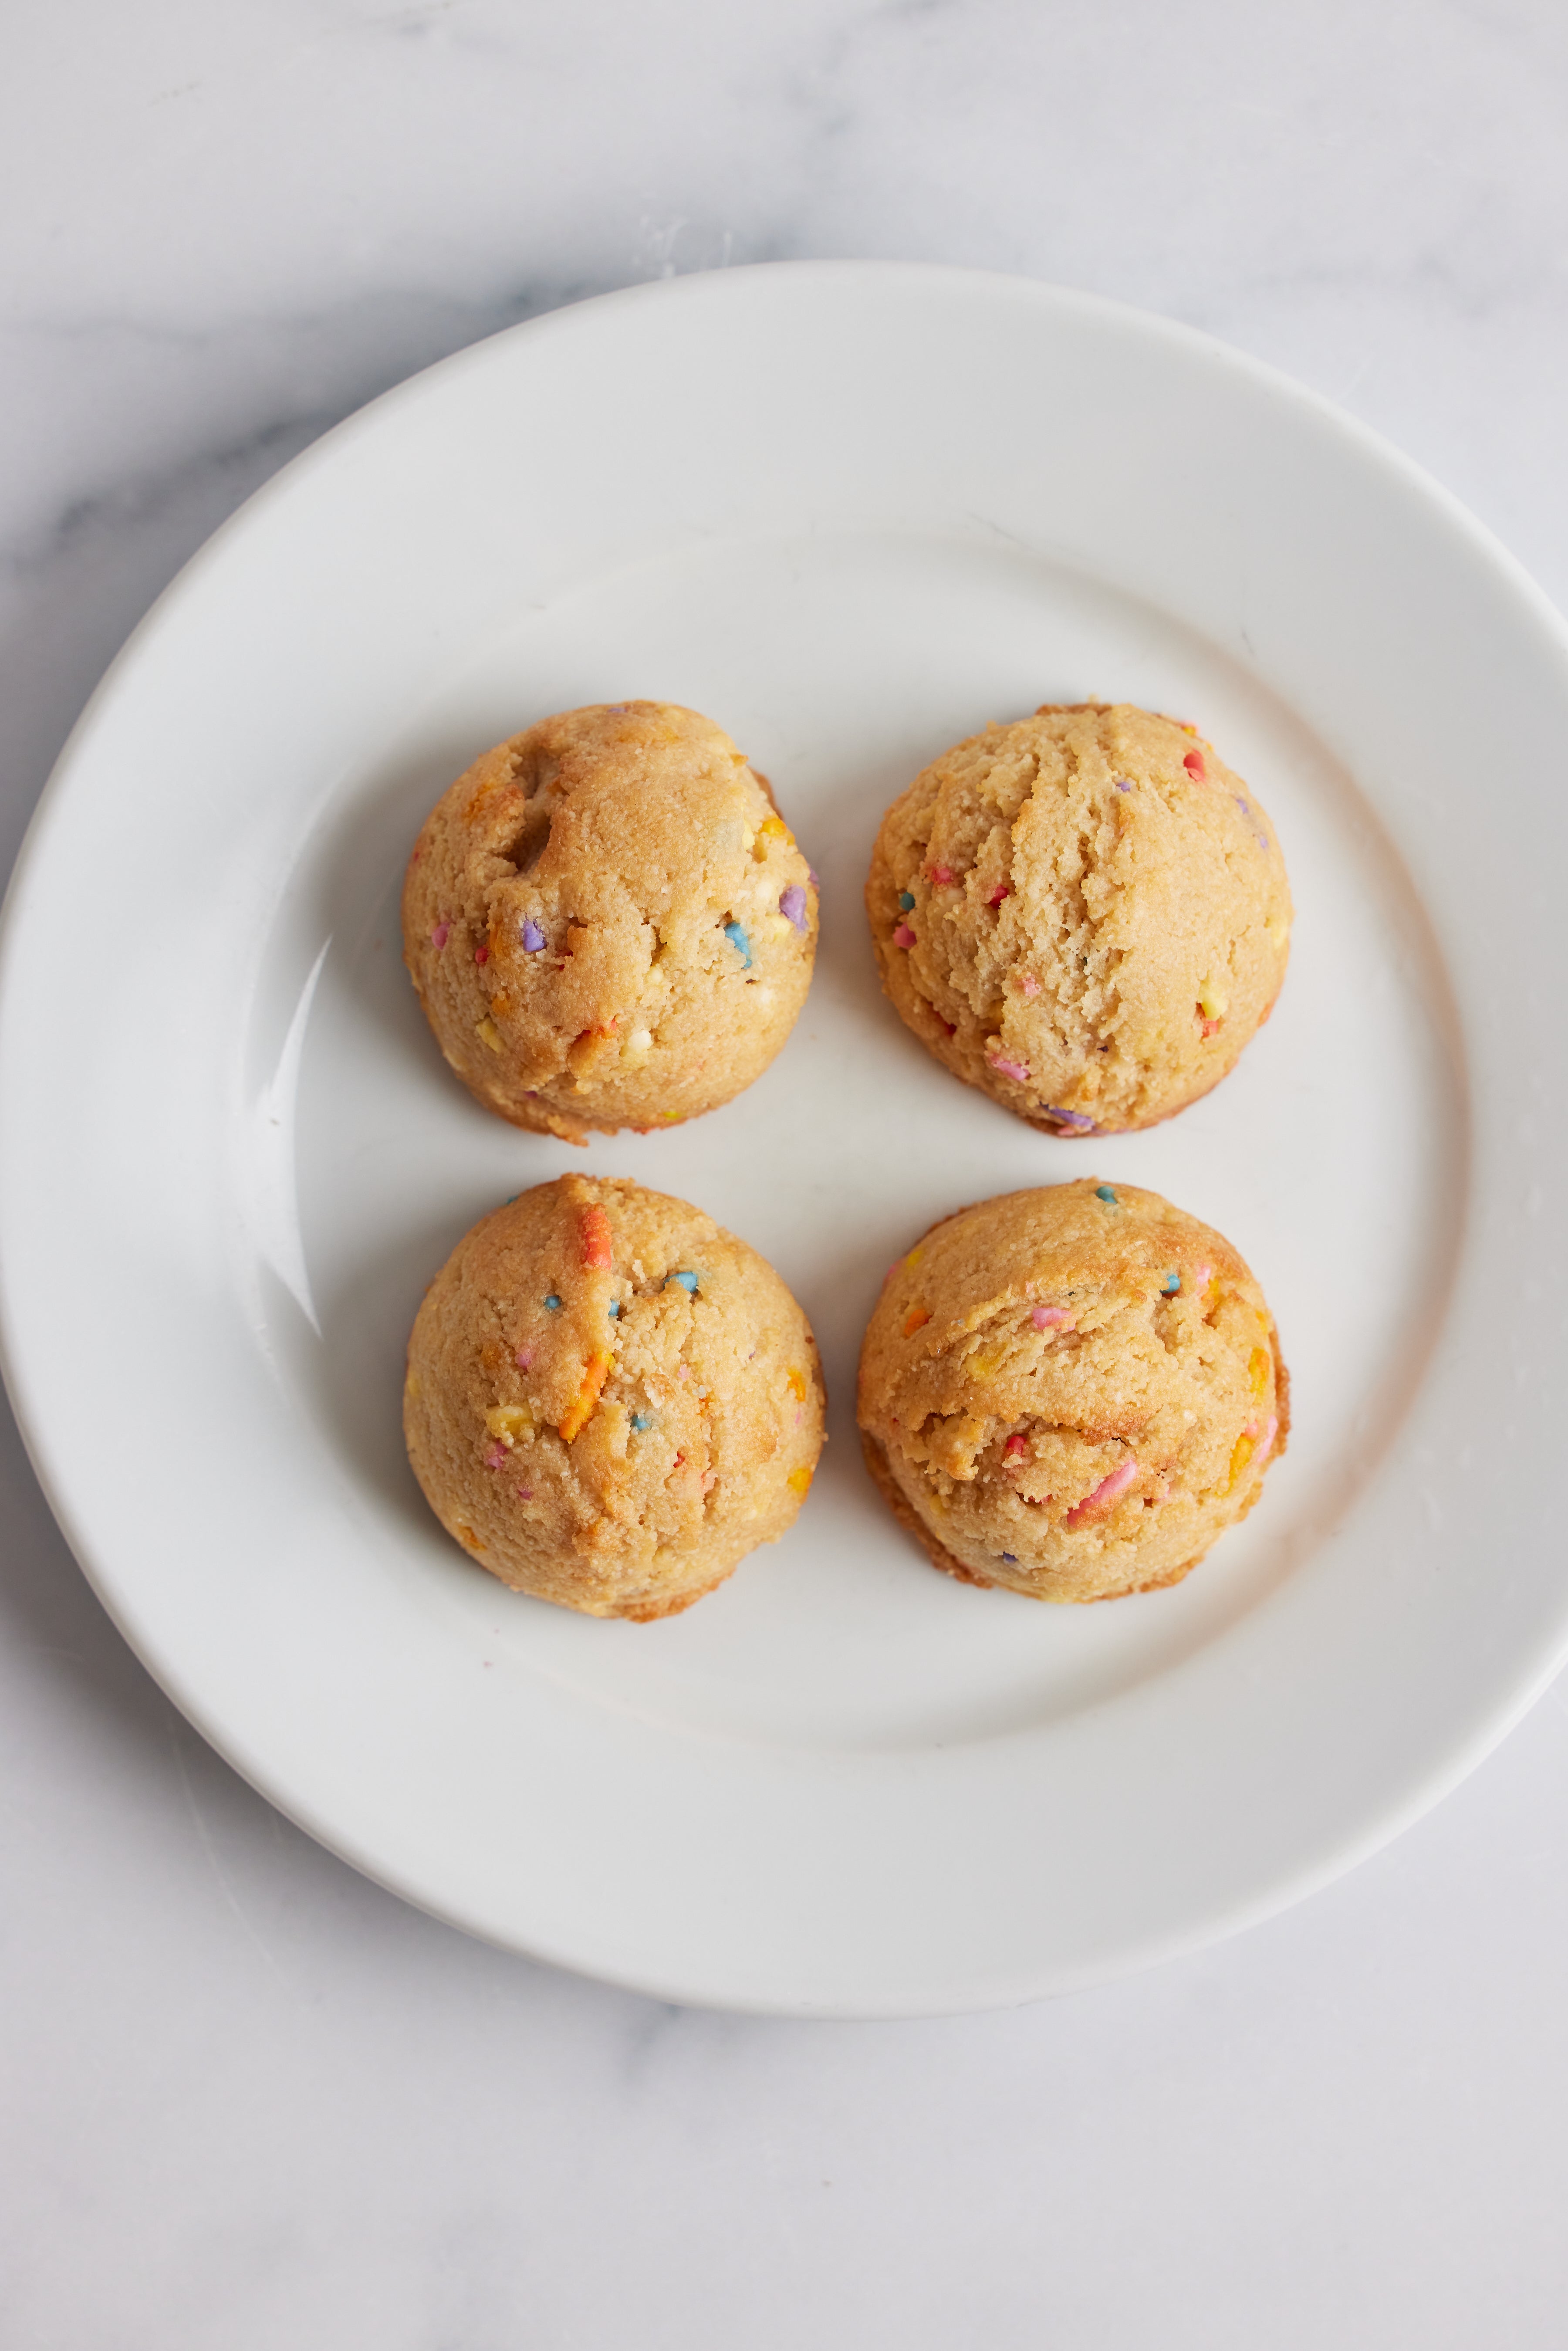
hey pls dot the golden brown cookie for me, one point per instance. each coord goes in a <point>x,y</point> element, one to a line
<point>1084,913</point>
<point>607,922</point>
<point>1070,1392</point>
<point>610,1401</point>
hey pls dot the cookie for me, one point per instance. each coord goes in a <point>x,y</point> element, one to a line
<point>610,1401</point>
<point>1070,1392</point>
<point>607,922</point>
<point>1084,913</point>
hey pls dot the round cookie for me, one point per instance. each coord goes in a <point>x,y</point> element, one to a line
<point>1084,913</point>
<point>607,922</point>
<point>609,1400</point>
<point>1070,1392</point>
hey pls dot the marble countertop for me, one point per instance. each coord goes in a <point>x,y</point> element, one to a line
<point>254,2101</point>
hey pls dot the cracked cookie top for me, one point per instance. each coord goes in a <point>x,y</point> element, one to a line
<point>1084,913</point>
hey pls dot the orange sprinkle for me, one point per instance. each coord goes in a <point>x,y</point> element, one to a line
<point>595,1372</point>
<point>597,1252</point>
<point>1241,1453</point>
<point>916,1320</point>
<point>795,1382</point>
<point>1258,1370</point>
<point>798,1481</point>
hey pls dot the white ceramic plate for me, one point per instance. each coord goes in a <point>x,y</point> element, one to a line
<point>853,512</point>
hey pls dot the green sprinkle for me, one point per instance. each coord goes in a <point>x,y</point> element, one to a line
<point>1103,1192</point>
<point>906,900</point>
<point>552,1304</point>
<point>1171,1284</point>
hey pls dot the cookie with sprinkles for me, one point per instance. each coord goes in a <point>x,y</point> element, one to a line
<point>1084,913</point>
<point>608,923</point>
<point>609,1400</point>
<point>1070,1392</point>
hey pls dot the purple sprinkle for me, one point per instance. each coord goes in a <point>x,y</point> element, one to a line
<point>1012,1558</point>
<point>1241,804</point>
<point>533,938</point>
<point>1263,841</point>
<point>1121,785</point>
<point>1073,1118</point>
<point>811,877</point>
<point>618,709</point>
<point>792,905</point>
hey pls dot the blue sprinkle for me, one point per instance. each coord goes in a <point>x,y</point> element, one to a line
<point>1121,786</point>
<point>1170,1285</point>
<point>1103,1192</point>
<point>516,1195</point>
<point>642,1421</point>
<point>688,1282</point>
<point>552,1304</point>
<point>533,938</point>
<point>615,1309</point>
<point>1012,1558</point>
<point>739,942</point>
<point>792,905</point>
<point>906,900</point>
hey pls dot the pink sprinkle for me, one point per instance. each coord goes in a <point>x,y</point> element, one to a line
<point>1017,1445</point>
<point>524,1493</point>
<point>904,936</point>
<point>1003,890</point>
<point>1050,1318</point>
<point>497,1456</point>
<point>684,1373</point>
<point>1194,764</point>
<point>1029,985</point>
<point>440,934</point>
<point>1110,1489</point>
<point>1018,1071</point>
<point>942,876</point>
<point>523,1358</point>
<point>1201,1274</point>
<point>1267,1447</point>
<point>482,955</point>
<point>891,1269</point>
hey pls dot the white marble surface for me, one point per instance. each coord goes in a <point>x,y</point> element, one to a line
<point>251,2100</point>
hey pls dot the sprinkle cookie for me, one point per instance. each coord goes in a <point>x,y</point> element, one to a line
<point>1084,913</point>
<point>609,1400</point>
<point>1070,1392</point>
<point>607,922</point>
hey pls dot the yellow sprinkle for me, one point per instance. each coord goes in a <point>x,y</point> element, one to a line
<point>669,1117</point>
<point>795,1382</point>
<point>489,1033</point>
<point>773,828</point>
<point>913,1259</point>
<point>1258,1370</point>
<point>1214,1001</point>
<point>986,1367</point>
<point>411,1386</point>
<point>468,1536</point>
<point>1244,1449</point>
<point>799,1481</point>
<point>1278,930</point>
<point>507,1422</point>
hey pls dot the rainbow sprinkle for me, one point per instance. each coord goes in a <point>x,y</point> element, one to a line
<point>481,954</point>
<point>688,1282</point>
<point>906,900</point>
<point>533,938</point>
<point>1103,1192</point>
<point>598,1253</point>
<point>1107,1492</point>
<point>1005,1067</point>
<point>1003,890</point>
<point>1050,1318</point>
<point>942,876</point>
<point>552,1304</point>
<point>916,1320</point>
<point>440,934</point>
<point>595,1372</point>
<point>1075,1119</point>
<point>496,1457</point>
<point>740,943</point>
<point>904,936</point>
<point>1122,785</point>
<point>1016,1447</point>
<point>1170,1285</point>
<point>524,1358</point>
<point>1193,763</point>
<point>792,905</point>
<point>642,1422</point>
<point>1010,1557</point>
